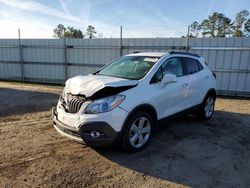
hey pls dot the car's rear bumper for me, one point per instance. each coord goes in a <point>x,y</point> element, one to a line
<point>108,134</point>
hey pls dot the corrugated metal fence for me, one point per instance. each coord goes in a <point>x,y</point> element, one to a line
<point>54,60</point>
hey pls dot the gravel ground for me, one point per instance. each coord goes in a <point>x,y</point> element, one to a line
<point>182,153</point>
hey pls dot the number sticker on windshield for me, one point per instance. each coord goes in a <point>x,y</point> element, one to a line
<point>149,59</point>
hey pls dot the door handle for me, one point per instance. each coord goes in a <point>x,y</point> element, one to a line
<point>184,84</point>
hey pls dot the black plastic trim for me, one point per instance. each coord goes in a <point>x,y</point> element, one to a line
<point>108,135</point>
<point>212,90</point>
<point>184,53</point>
<point>187,111</point>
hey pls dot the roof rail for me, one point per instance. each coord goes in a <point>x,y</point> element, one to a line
<point>184,53</point>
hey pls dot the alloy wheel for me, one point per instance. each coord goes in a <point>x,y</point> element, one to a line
<point>139,132</point>
<point>209,107</point>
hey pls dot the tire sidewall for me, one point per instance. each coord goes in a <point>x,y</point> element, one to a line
<point>125,138</point>
<point>202,110</point>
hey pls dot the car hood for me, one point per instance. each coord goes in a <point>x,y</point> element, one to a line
<point>90,84</point>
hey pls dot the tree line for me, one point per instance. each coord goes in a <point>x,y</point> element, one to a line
<point>62,32</point>
<point>218,25</point>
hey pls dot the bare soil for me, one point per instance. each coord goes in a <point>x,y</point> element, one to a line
<point>183,153</point>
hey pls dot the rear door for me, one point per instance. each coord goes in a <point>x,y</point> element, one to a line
<point>196,81</point>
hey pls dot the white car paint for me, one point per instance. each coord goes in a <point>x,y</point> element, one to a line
<point>188,91</point>
<point>115,117</point>
<point>173,98</point>
<point>90,84</point>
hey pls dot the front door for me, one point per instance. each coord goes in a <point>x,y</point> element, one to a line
<point>171,98</point>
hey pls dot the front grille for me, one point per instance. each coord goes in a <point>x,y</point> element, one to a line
<point>72,103</point>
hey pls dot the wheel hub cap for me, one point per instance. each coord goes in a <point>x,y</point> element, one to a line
<point>209,107</point>
<point>139,132</point>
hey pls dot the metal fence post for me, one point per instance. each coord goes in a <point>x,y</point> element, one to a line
<point>187,41</point>
<point>65,59</point>
<point>21,54</point>
<point>121,41</point>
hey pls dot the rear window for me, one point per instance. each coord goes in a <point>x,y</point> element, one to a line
<point>191,65</point>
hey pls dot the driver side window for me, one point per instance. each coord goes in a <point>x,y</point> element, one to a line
<point>172,65</point>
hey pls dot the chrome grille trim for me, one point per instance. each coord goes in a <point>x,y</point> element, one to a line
<point>73,103</point>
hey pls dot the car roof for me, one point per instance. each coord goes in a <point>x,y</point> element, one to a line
<point>151,54</point>
<point>160,54</point>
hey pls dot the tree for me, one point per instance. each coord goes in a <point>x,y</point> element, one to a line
<point>216,25</point>
<point>59,31</point>
<point>78,34</point>
<point>247,27</point>
<point>91,31</point>
<point>73,33</point>
<point>240,18</point>
<point>62,32</point>
<point>194,30</point>
<point>226,28</point>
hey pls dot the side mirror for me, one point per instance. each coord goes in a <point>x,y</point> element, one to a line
<point>168,78</point>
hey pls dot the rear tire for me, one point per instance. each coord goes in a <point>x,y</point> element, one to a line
<point>207,108</point>
<point>137,132</point>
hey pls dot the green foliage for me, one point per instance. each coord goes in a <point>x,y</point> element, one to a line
<point>240,18</point>
<point>91,31</point>
<point>194,30</point>
<point>62,32</point>
<point>59,31</point>
<point>73,33</point>
<point>218,25</point>
<point>247,27</point>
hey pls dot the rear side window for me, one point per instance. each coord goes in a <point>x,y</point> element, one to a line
<point>191,65</point>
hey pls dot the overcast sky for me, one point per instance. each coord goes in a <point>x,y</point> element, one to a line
<point>140,18</point>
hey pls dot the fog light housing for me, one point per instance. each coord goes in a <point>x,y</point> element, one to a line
<point>95,134</point>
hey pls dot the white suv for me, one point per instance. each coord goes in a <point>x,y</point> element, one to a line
<point>123,101</point>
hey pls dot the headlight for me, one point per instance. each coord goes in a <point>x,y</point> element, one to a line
<point>65,89</point>
<point>63,94</point>
<point>104,104</point>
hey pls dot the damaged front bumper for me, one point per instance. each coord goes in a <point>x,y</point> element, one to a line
<point>108,135</point>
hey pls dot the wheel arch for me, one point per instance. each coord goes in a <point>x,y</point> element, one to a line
<point>142,108</point>
<point>211,92</point>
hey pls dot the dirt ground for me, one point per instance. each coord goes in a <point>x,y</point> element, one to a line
<point>182,153</point>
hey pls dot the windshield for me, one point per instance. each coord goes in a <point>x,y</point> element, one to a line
<point>129,67</point>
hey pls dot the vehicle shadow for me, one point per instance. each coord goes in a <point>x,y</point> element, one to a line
<point>193,153</point>
<point>14,101</point>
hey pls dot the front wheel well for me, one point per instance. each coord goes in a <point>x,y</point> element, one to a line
<point>143,108</point>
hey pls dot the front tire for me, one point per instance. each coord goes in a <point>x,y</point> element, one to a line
<point>207,108</point>
<point>137,132</point>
